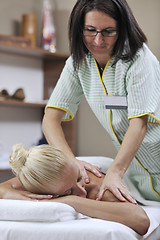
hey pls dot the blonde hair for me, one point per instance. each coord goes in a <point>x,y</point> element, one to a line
<point>37,166</point>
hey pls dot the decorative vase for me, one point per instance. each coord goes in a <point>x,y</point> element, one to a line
<point>48,41</point>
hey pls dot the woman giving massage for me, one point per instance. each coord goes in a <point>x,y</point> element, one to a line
<point>47,170</point>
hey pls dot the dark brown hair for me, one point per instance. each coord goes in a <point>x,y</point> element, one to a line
<point>130,35</point>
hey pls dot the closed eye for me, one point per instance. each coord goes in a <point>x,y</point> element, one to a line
<point>90,29</point>
<point>108,31</point>
<point>79,179</point>
<point>66,193</point>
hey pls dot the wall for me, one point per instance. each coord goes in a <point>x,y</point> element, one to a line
<point>91,137</point>
<point>147,15</point>
<point>19,125</point>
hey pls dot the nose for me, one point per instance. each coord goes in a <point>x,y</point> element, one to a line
<point>98,38</point>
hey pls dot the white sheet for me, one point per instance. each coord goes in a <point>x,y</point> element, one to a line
<point>17,216</point>
<point>82,229</point>
<point>26,220</point>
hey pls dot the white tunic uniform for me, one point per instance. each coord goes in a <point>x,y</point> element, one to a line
<point>139,81</point>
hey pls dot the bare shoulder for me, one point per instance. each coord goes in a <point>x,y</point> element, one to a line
<point>94,186</point>
<point>109,197</point>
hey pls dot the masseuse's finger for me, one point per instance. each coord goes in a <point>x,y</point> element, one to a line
<point>100,194</point>
<point>115,192</point>
<point>84,175</point>
<point>83,171</point>
<point>94,169</point>
<point>83,166</point>
<point>127,194</point>
<point>121,194</point>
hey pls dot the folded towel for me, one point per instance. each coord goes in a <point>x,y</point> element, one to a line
<point>18,210</point>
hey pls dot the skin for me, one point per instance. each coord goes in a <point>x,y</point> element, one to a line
<point>131,142</point>
<point>101,49</point>
<point>13,189</point>
<point>125,213</point>
<point>54,134</point>
<point>73,191</point>
<point>72,183</point>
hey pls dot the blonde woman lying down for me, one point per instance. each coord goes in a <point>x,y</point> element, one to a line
<point>47,170</point>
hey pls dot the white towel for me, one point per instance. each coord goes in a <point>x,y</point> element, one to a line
<point>18,210</point>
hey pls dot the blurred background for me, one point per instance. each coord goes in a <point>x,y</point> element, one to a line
<point>18,124</point>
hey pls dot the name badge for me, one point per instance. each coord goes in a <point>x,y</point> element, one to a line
<point>115,102</point>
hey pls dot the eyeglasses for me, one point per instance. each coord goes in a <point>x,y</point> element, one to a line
<point>93,32</point>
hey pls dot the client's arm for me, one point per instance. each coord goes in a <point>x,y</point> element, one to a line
<point>12,189</point>
<point>125,213</point>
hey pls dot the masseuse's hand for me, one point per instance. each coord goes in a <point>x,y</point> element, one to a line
<point>114,184</point>
<point>87,166</point>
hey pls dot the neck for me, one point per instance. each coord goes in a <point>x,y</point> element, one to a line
<point>102,61</point>
<point>93,186</point>
<point>102,65</point>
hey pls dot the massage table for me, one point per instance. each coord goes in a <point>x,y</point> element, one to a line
<point>35,220</point>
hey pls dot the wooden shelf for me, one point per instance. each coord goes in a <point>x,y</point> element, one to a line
<point>16,103</point>
<point>32,52</point>
<point>38,53</point>
<point>52,66</point>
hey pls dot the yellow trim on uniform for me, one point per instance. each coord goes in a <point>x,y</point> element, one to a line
<point>107,64</point>
<point>110,122</point>
<point>101,78</point>
<point>65,110</point>
<point>158,121</point>
<point>149,177</point>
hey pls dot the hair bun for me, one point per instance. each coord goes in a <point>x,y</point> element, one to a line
<point>18,158</point>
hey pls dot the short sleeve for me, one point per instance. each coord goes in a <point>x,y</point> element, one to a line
<point>143,86</point>
<point>68,92</point>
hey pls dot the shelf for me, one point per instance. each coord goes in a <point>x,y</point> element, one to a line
<point>16,103</point>
<point>32,52</point>
<point>52,65</point>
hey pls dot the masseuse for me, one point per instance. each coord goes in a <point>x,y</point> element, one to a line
<point>109,57</point>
